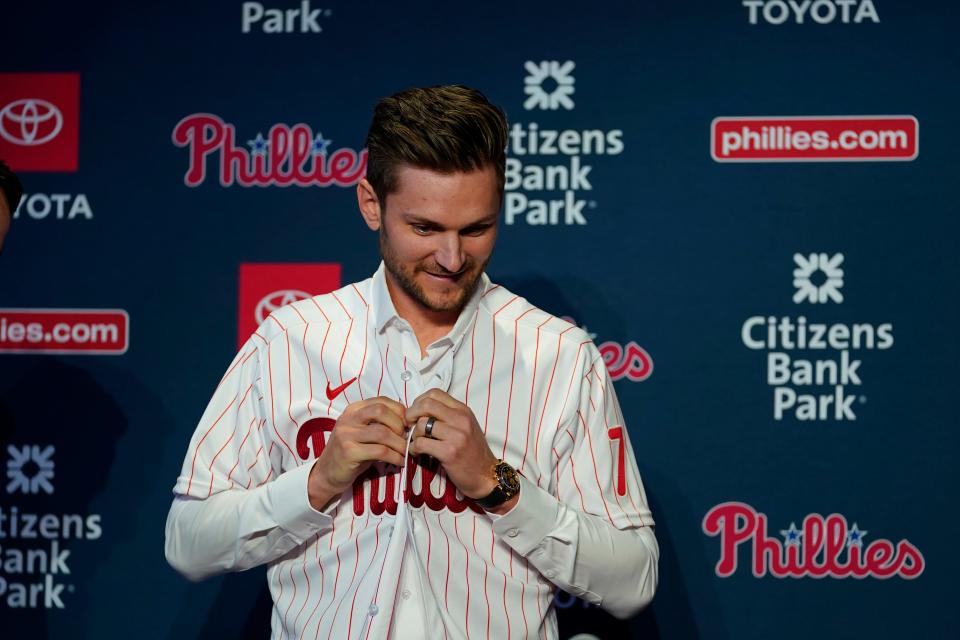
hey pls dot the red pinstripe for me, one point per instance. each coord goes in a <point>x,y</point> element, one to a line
<point>323,363</point>
<point>210,468</point>
<point>473,336</point>
<point>359,295</point>
<point>272,317</point>
<point>356,565</point>
<point>573,473</point>
<point>487,292</point>
<point>446,583</point>
<point>273,412</point>
<point>322,586</point>
<point>255,334</point>
<point>239,449</point>
<point>197,449</point>
<point>382,368</point>
<point>306,598</point>
<point>486,569</point>
<point>376,546</point>
<point>546,399</point>
<point>346,341</point>
<point>341,305</point>
<point>276,570</point>
<point>236,364</point>
<point>363,359</point>
<point>265,480</point>
<point>290,385</point>
<point>533,382</point>
<point>540,629</point>
<point>593,459</point>
<point>297,311</point>
<point>513,369</point>
<point>376,593</point>
<point>320,309</point>
<point>493,357</point>
<point>309,370</point>
<point>466,553</point>
<point>292,598</point>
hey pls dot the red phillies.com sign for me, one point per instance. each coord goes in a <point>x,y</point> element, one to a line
<point>40,121</point>
<point>266,287</point>
<point>820,547</point>
<point>64,331</point>
<point>814,138</point>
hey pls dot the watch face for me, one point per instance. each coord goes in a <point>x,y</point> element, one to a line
<point>508,478</point>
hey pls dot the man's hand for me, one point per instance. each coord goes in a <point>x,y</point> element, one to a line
<point>366,431</point>
<point>457,442</point>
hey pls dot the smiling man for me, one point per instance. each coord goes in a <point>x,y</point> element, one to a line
<point>423,453</point>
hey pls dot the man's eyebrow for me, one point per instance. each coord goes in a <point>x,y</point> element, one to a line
<point>413,218</point>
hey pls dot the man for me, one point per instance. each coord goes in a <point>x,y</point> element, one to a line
<point>518,477</point>
<point>10,193</point>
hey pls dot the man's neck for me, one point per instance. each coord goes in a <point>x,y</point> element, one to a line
<point>429,326</point>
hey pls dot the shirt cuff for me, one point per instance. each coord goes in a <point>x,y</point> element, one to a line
<point>530,521</point>
<point>290,504</point>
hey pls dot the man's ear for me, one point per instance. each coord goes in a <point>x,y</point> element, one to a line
<point>369,204</point>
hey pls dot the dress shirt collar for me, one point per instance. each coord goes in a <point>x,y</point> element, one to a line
<point>385,313</point>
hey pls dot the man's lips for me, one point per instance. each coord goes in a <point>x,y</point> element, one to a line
<point>446,276</point>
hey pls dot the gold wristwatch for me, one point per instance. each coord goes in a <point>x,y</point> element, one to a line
<point>508,485</point>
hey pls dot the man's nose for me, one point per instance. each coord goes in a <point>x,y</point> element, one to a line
<point>449,253</point>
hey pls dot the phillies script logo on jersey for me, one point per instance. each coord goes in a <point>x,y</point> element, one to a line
<point>822,547</point>
<point>265,287</point>
<point>288,155</point>
<point>40,121</point>
<point>311,437</point>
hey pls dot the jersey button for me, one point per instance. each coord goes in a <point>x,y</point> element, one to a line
<point>550,573</point>
<point>513,533</point>
<point>406,594</point>
<point>405,376</point>
<point>373,610</point>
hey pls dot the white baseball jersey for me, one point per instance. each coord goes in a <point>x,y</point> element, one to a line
<point>406,555</point>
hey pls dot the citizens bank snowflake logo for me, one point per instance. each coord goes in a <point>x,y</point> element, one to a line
<point>818,268</point>
<point>549,85</point>
<point>30,469</point>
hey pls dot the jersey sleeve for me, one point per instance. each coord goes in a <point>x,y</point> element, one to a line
<point>596,469</point>
<point>229,449</point>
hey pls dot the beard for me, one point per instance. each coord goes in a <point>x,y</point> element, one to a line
<point>405,277</point>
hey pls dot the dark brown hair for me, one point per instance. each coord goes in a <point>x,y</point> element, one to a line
<point>446,129</point>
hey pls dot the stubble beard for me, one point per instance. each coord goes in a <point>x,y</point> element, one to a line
<point>405,278</point>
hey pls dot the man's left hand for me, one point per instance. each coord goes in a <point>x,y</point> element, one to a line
<point>457,442</point>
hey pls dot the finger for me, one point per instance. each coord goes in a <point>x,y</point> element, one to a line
<point>382,413</point>
<point>434,448</point>
<point>376,433</point>
<point>427,406</point>
<point>439,428</point>
<point>443,397</point>
<point>373,452</point>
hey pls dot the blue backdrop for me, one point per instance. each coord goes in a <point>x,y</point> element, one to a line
<point>698,251</point>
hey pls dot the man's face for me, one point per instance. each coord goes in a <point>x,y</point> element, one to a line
<point>437,232</point>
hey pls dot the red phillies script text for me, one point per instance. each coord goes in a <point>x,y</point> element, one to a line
<point>822,548</point>
<point>288,157</point>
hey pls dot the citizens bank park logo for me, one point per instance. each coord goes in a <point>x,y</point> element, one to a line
<point>266,287</point>
<point>822,547</point>
<point>546,173</point>
<point>303,19</point>
<point>34,551</point>
<point>811,11</point>
<point>624,362</point>
<point>65,331</point>
<point>814,389</point>
<point>287,155</point>
<point>814,139</point>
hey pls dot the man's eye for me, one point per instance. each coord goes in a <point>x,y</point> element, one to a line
<point>475,231</point>
<point>420,229</point>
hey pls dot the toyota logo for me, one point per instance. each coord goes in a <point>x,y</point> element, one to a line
<point>30,122</point>
<point>273,301</point>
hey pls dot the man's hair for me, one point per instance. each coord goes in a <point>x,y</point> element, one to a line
<point>11,187</point>
<point>445,129</point>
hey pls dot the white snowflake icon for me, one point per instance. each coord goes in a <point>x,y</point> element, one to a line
<point>40,477</point>
<point>807,266</point>
<point>541,98</point>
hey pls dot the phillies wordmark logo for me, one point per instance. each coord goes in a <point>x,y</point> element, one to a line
<point>822,547</point>
<point>287,155</point>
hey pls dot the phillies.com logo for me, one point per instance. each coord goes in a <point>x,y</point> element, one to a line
<point>822,547</point>
<point>288,155</point>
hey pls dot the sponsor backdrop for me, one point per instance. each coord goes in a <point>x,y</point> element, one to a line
<point>750,205</point>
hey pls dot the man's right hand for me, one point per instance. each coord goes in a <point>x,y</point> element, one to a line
<point>367,431</point>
